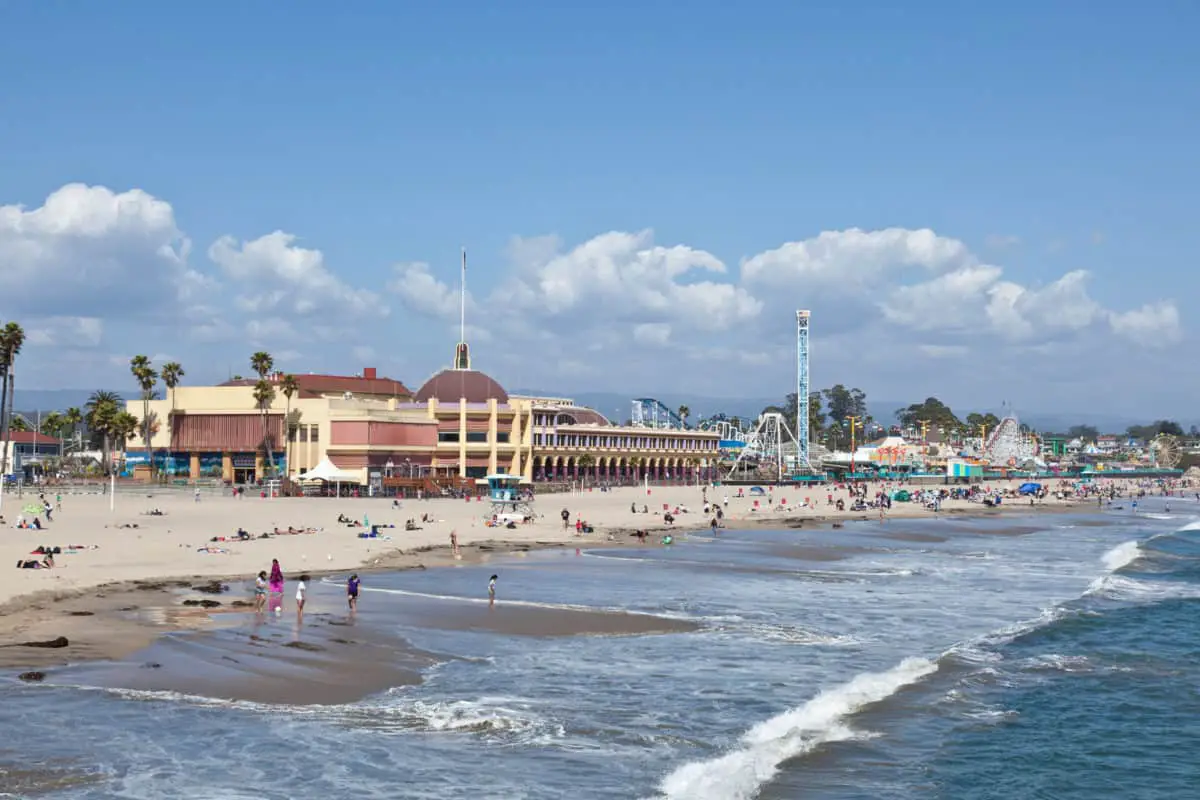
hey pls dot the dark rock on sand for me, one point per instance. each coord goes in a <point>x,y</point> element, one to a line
<point>32,677</point>
<point>241,604</point>
<point>342,641</point>
<point>151,665</point>
<point>212,587</point>
<point>312,648</point>
<point>82,613</point>
<point>202,603</point>
<point>61,641</point>
<point>128,608</point>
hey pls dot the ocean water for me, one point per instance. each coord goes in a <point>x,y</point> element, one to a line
<point>1047,656</point>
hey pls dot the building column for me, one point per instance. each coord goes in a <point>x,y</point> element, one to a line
<point>260,469</point>
<point>462,438</point>
<point>226,467</point>
<point>193,465</point>
<point>493,435</point>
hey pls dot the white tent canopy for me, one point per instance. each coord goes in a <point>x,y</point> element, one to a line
<point>327,471</point>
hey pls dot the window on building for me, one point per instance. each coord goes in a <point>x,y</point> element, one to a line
<point>303,431</point>
<point>502,437</point>
<point>447,436</point>
<point>314,433</point>
<point>477,436</point>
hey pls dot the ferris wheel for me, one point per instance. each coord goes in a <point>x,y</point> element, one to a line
<point>1165,448</point>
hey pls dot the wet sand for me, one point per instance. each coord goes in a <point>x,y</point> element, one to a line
<point>326,660</point>
<point>530,620</point>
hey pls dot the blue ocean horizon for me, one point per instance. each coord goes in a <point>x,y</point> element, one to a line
<point>1048,655</point>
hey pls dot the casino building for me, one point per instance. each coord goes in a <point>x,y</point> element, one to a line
<point>460,424</point>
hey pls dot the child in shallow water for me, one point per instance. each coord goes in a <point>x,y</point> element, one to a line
<point>260,591</point>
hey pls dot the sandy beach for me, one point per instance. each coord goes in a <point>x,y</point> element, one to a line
<point>125,577</point>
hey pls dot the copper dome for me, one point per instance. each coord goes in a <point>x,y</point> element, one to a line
<point>452,385</point>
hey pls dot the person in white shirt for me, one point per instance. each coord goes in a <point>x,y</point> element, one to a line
<point>301,593</point>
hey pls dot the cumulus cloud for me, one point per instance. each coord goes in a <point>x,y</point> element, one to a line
<point>1154,324</point>
<point>624,277</point>
<point>272,274</point>
<point>88,248</point>
<point>92,264</point>
<point>425,294</point>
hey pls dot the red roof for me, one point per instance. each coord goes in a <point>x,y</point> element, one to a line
<point>29,437</point>
<point>318,385</point>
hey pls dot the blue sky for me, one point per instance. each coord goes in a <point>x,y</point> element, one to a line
<point>1038,138</point>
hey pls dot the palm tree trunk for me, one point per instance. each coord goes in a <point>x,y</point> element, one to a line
<point>3,422</point>
<point>268,443</point>
<point>287,438</point>
<point>146,433</point>
<point>9,392</point>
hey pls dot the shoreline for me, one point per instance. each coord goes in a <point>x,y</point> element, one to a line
<point>112,621</point>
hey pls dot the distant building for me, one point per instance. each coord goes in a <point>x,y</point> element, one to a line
<point>459,424</point>
<point>28,451</point>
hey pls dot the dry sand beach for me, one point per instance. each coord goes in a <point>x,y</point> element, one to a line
<point>126,585</point>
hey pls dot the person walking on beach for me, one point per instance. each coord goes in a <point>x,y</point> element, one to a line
<point>492,590</point>
<point>301,595</point>
<point>454,543</point>
<point>276,586</point>
<point>260,592</point>
<point>566,518</point>
<point>352,593</point>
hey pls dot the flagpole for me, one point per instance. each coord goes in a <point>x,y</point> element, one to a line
<point>462,324</point>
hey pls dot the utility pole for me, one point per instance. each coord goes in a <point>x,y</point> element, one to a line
<point>854,424</point>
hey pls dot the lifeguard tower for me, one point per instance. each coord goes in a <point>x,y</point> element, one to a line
<point>508,501</point>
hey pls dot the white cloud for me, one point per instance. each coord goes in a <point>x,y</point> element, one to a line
<point>1154,324</point>
<point>423,293</point>
<point>112,270</point>
<point>943,350</point>
<point>77,332</point>
<point>88,248</point>
<point>272,274</point>
<point>623,277</point>
<point>653,333</point>
<point>855,257</point>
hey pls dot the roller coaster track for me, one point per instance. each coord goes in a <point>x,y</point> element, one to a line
<point>648,412</point>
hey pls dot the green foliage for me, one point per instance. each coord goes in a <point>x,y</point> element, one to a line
<point>933,411</point>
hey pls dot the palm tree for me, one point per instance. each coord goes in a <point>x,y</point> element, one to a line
<point>19,424</point>
<point>73,419</point>
<point>264,393</point>
<point>147,379</point>
<point>52,424</point>
<point>289,386</point>
<point>684,412</point>
<point>123,426</point>
<point>102,409</point>
<point>12,337</point>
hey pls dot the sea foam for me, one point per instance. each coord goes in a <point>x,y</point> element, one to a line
<point>737,775</point>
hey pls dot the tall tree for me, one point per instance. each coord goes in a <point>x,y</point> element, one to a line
<point>12,339</point>
<point>264,394</point>
<point>816,417</point>
<point>52,424</point>
<point>101,410</point>
<point>73,419</point>
<point>147,378</point>
<point>289,386</point>
<point>684,412</point>
<point>1087,433</point>
<point>843,403</point>
<point>932,411</point>
<point>19,424</point>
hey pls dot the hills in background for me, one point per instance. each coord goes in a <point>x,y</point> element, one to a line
<point>616,406</point>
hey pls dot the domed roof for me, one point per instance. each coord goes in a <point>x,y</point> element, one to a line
<point>452,385</point>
